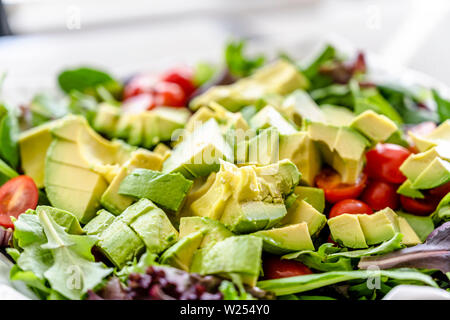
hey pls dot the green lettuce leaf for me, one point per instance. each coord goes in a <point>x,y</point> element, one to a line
<point>239,64</point>
<point>443,106</point>
<point>9,132</point>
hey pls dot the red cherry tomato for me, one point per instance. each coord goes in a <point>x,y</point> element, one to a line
<point>183,76</point>
<point>169,94</point>
<point>275,268</point>
<point>139,103</point>
<point>350,206</point>
<point>420,207</point>
<point>379,195</point>
<point>441,191</point>
<point>16,196</point>
<point>384,160</point>
<point>330,181</point>
<point>142,83</point>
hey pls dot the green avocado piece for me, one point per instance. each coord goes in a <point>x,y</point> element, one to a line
<point>438,136</point>
<point>199,153</point>
<point>120,244</point>
<point>407,189</point>
<point>98,224</point>
<point>269,117</point>
<point>282,176</point>
<point>346,230</point>
<point>106,118</point>
<point>314,196</point>
<point>181,253</point>
<point>379,226</point>
<point>410,237</point>
<point>136,132</point>
<point>165,189</point>
<point>135,210</point>
<point>238,254</point>
<point>422,225</point>
<point>263,149</point>
<point>337,116</point>
<point>301,211</point>
<point>213,230</point>
<point>299,106</point>
<point>376,127</point>
<point>294,237</point>
<point>169,120</point>
<point>64,218</point>
<point>436,174</point>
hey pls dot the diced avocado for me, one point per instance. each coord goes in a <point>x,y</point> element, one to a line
<point>422,225</point>
<point>294,237</point>
<point>181,253</point>
<point>279,77</point>
<point>125,123</point>
<point>301,211</point>
<point>302,151</point>
<point>136,209</point>
<point>346,230</point>
<point>337,116</point>
<point>299,106</point>
<point>378,227</point>
<point>151,129</point>
<point>66,152</point>
<point>239,255</point>
<point>64,218</point>
<point>314,196</point>
<point>98,224</point>
<point>68,127</point>
<point>106,119</point>
<point>33,145</point>
<point>199,188</point>
<point>6,172</point>
<point>213,230</point>
<point>141,158</point>
<point>410,237</point>
<point>376,127</point>
<point>269,117</point>
<point>120,244</point>
<point>169,120</point>
<point>199,153</point>
<point>436,174</point>
<point>136,134</point>
<point>349,144</point>
<point>162,150</point>
<point>165,189</point>
<point>263,149</point>
<point>350,169</point>
<point>438,136</point>
<point>280,178</point>
<point>406,189</point>
<point>200,116</point>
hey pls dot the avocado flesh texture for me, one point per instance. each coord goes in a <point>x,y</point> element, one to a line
<point>410,238</point>
<point>199,188</point>
<point>106,119</point>
<point>440,135</point>
<point>269,117</point>
<point>299,106</point>
<point>379,226</point>
<point>213,231</point>
<point>337,116</point>
<point>314,196</point>
<point>280,77</point>
<point>199,153</point>
<point>301,150</point>
<point>98,224</point>
<point>300,212</point>
<point>263,149</point>
<point>376,127</point>
<point>294,237</point>
<point>238,254</point>
<point>180,255</point>
<point>406,189</point>
<point>346,230</point>
<point>111,199</point>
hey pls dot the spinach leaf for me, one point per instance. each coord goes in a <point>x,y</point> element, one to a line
<point>45,107</point>
<point>443,106</point>
<point>239,64</point>
<point>9,132</point>
<point>6,172</point>
<point>422,225</point>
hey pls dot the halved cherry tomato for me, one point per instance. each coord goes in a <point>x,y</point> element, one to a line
<point>183,76</point>
<point>384,161</point>
<point>420,207</point>
<point>276,268</point>
<point>141,83</point>
<point>139,103</point>
<point>379,195</point>
<point>350,206</point>
<point>169,94</point>
<point>16,196</point>
<point>331,183</point>
<point>441,191</point>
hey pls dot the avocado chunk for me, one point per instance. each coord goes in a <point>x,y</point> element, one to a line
<point>270,117</point>
<point>200,186</point>
<point>120,244</point>
<point>280,77</point>
<point>106,119</point>
<point>294,237</point>
<point>162,150</point>
<point>99,224</point>
<point>299,106</point>
<point>346,230</point>
<point>314,196</point>
<point>376,127</point>
<point>213,230</point>
<point>406,189</point>
<point>6,172</point>
<point>199,153</point>
<point>440,135</point>
<point>410,238</point>
<point>141,158</point>
<point>301,150</point>
<point>263,149</point>
<point>337,116</point>
<point>64,218</point>
<point>181,253</point>
<point>302,211</point>
<point>379,226</point>
<point>238,254</point>
<point>165,189</point>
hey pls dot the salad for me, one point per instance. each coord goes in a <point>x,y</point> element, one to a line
<point>250,179</point>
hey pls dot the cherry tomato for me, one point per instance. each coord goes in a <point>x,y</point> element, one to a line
<point>441,191</point>
<point>330,181</point>
<point>379,195</point>
<point>183,76</point>
<point>139,103</point>
<point>142,83</point>
<point>169,94</point>
<point>420,207</point>
<point>16,196</point>
<point>275,268</point>
<point>350,206</point>
<point>384,160</point>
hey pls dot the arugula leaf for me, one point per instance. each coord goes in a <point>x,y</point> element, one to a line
<point>9,132</point>
<point>238,63</point>
<point>309,282</point>
<point>87,81</point>
<point>443,106</point>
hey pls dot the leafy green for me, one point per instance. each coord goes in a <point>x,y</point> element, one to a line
<point>6,172</point>
<point>203,72</point>
<point>309,282</point>
<point>335,94</point>
<point>442,212</point>
<point>83,104</point>
<point>9,132</point>
<point>229,291</point>
<point>239,64</point>
<point>422,225</point>
<point>87,81</point>
<point>146,260</point>
<point>443,106</point>
<point>327,54</point>
<point>45,107</point>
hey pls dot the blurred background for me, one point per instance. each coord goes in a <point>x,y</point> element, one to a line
<point>41,37</point>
